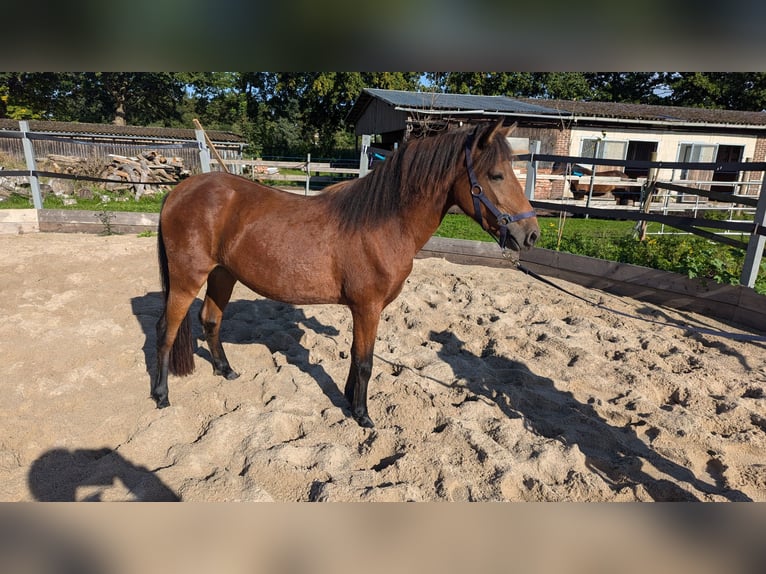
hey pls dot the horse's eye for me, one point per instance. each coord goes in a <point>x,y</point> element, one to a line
<point>496,176</point>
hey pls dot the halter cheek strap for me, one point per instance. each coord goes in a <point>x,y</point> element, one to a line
<point>478,196</point>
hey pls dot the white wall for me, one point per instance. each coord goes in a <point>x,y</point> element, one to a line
<point>667,142</point>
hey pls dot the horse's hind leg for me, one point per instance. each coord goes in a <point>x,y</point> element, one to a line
<point>220,284</point>
<point>174,344</point>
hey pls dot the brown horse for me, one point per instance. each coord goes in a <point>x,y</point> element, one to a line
<point>582,187</point>
<point>353,244</point>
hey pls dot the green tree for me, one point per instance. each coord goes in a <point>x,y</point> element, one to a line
<point>632,87</point>
<point>313,107</point>
<point>525,84</point>
<point>565,86</point>
<point>610,87</point>
<point>37,95</point>
<point>136,98</point>
<point>139,98</point>
<point>727,90</point>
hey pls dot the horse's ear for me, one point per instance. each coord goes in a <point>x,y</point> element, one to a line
<point>494,131</point>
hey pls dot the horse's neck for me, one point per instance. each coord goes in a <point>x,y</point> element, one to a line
<point>421,220</point>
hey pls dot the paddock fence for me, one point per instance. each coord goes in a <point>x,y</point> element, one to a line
<point>306,176</point>
<point>313,176</point>
<point>676,201</point>
<point>681,204</point>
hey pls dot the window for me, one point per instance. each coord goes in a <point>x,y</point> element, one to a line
<point>696,153</point>
<point>607,149</point>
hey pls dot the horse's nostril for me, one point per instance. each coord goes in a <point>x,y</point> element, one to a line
<point>532,238</point>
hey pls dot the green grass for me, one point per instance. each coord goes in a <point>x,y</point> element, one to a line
<point>689,255</point>
<point>117,202</point>
<point>463,227</point>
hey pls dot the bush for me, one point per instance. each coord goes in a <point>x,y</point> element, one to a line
<point>689,255</point>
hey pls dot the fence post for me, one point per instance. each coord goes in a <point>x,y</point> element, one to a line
<point>364,165</point>
<point>529,187</point>
<point>592,176</point>
<point>204,152</point>
<point>647,196</point>
<point>29,156</point>
<point>308,172</point>
<point>755,246</point>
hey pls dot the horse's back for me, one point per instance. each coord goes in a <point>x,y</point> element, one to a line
<point>214,190</point>
<point>199,211</point>
<point>217,201</point>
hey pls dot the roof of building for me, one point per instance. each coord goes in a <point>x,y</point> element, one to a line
<point>110,130</point>
<point>616,111</point>
<point>444,102</point>
<point>649,112</point>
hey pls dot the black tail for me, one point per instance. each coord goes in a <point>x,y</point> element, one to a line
<point>182,352</point>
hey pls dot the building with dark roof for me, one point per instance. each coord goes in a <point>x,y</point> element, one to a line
<point>609,130</point>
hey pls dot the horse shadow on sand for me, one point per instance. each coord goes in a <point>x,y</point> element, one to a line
<point>278,326</point>
<point>617,454</point>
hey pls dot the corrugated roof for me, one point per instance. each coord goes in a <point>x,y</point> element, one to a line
<point>649,113</point>
<point>557,108</point>
<point>110,130</point>
<point>445,102</point>
<point>461,102</point>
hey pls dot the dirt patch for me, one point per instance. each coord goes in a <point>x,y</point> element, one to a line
<point>487,385</point>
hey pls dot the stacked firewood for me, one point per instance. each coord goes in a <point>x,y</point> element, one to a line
<point>121,172</point>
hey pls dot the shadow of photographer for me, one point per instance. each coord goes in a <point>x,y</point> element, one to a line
<point>94,475</point>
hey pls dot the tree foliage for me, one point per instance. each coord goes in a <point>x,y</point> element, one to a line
<point>726,90</point>
<point>296,113</point>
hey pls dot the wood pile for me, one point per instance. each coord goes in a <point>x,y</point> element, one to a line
<point>123,173</point>
<point>257,171</point>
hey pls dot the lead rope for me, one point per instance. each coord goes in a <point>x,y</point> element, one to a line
<point>504,219</point>
<point>531,273</point>
<point>690,328</point>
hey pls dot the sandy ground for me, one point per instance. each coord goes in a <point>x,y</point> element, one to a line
<point>487,385</point>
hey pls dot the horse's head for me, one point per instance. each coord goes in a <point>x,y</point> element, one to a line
<point>490,191</point>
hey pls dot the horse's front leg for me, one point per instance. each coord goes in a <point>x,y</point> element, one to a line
<point>362,348</point>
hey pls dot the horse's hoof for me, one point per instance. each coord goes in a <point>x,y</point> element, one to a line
<point>227,374</point>
<point>364,421</point>
<point>162,403</point>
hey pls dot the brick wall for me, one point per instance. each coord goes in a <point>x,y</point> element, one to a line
<point>554,189</point>
<point>755,176</point>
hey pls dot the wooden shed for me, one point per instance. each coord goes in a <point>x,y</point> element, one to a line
<point>394,115</point>
<point>86,139</point>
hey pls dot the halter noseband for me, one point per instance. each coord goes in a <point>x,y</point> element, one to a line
<point>478,196</point>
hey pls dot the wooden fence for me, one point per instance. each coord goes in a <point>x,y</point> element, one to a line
<point>322,173</point>
<point>13,143</point>
<point>314,176</point>
<point>197,154</point>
